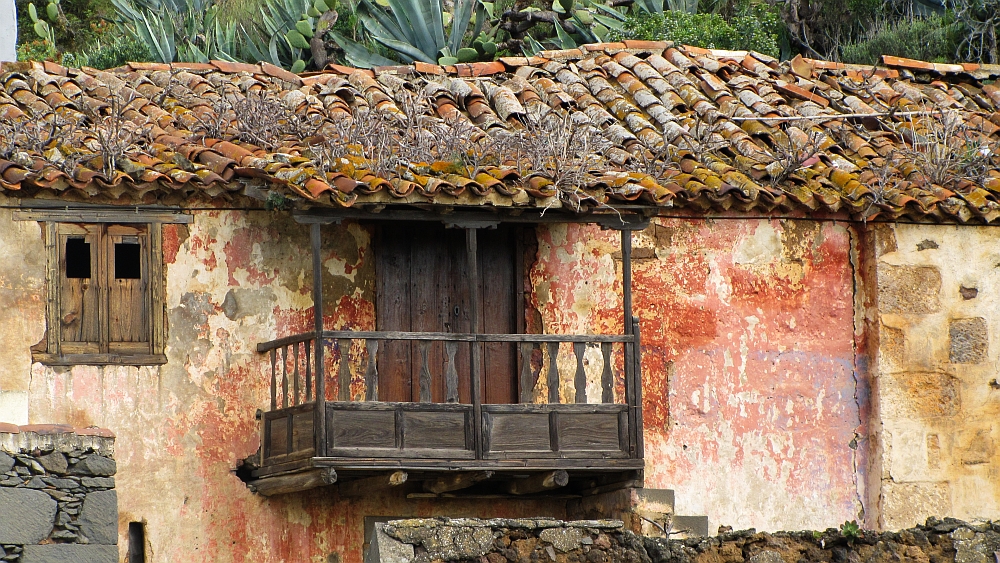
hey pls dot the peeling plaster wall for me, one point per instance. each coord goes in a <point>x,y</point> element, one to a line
<point>750,400</point>
<point>938,306</point>
<point>233,279</point>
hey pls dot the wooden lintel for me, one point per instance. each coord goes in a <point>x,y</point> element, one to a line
<point>371,485</point>
<point>294,482</point>
<point>456,481</point>
<point>539,482</point>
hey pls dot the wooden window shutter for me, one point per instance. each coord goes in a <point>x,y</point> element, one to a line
<point>126,261</point>
<point>79,310</point>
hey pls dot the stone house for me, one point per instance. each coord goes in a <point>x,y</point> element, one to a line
<point>549,286</point>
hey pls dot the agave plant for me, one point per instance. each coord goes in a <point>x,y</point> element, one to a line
<point>178,30</point>
<point>414,30</point>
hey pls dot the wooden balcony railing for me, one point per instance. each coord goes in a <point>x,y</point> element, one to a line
<point>297,425</point>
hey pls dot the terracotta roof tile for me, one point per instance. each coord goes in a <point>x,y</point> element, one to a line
<point>676,127</point>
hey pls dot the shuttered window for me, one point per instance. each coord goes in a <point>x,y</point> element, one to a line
<point>105,295</point>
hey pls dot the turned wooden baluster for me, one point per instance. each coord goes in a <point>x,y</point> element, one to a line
<point>580,380</point>
<point>371,374</point>
<point>308,350</point>
<point>527,386</point>
<point>607,380</point>
<point>344,374</point>
<point>284,377</point>
<point>553,373</point>
<point>295,373</point>
<point>451,373</point>
<point>274,379</point>
<point>425,372</point>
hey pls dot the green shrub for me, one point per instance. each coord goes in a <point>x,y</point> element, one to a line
<point>754,26</point>
<point>77,27</point>
<point>35,50</point>
<point>120,49</point>
<point>933,39</point>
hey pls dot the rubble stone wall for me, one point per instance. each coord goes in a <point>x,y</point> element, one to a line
<point>57,497</point>
<point>606,541</point>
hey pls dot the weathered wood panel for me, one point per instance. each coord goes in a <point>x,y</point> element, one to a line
<point>362,429</point>
<point>277,437</point>
<point>591,432</point>
<point>443,430</point>
<point>517,432</point>
<point>302,431</point>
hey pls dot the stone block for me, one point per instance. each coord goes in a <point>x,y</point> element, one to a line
<point>909,504</point>
<point>385,549</point>
<point>69,553</point>
<point>98,482</point>
<point>695,526</point>
<point>6,462</point>
<point>95,465</point>
<point>26,516</point>
<point>909,395</point>
<point>909,289</point>
<point>563,539</point>
<point>54,462</point>
<point>969,341</point>
<point>99,517</point>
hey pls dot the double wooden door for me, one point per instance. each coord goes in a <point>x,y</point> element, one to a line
<point>423,286</point>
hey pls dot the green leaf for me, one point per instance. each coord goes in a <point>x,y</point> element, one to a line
<point>321,6</point>
<point>609,11</point>
<point>305,28</point>
<point>52,9</point>
<point>33,12</point>
<point>467,55</point>
<point>448,61</point>
<point>298,66</point>
<point>295,39</point>
<point>460,22</point>
<point>533,45</point>
<point>565,41</point>
<point>358,55</point>
<point>609,23</point>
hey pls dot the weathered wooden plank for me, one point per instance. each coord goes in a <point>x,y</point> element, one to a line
<point>450,372</point>
<point>283,484</point>
<point>275,344</point>
<point>607,377</point>
<point>527,381</point>
<point>344,371</point>
<point>363,429</point>
<point>371,372</point>
<point>425,372</point>
<point>456,481</point>
<point>295,374</point>
<point>538,483</point>
<point>316,242</point>
<point>465,337</point>
<point>371,485</point>
<point>617,219</point>
<point>127,273</point>
<point>519,432</point>
<point>551,407</point>
<point>476,373</point>
<point>302,438</point>
<point>308,350</point>
<point>284,377</point>
<point>637,375</point>
<point>442,430</point>
<point>595,432</point>
<point>580,378</point>
<point>274,379</point>
<point>104,215</point>
<point>553,375</point>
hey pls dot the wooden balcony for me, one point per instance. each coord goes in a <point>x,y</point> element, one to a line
<point>571,443</point>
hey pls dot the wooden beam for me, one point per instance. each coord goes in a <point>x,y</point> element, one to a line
<point>475,370</point>
<point>539,482</point>
<point>371,485</point>
<point>319,417</point>
<point>601,489</point>
<point>456,481</point>
<point>294,482</point>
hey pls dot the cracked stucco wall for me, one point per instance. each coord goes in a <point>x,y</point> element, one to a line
<point>752,412</point>
<point>938,291</point>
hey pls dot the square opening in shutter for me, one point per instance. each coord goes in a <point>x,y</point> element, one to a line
<point>78,258</point>
<point>128,260</point>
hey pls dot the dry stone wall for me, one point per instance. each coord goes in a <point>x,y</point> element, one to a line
<point>57,497</point>
<point>606,541</point>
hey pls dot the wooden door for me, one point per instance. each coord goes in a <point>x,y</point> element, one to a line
<point>423,286</point>
<point>80,288</point>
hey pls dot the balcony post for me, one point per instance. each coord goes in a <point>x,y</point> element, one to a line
<point>472,250</point>
<point>631,349</point>
<point>319,419</point>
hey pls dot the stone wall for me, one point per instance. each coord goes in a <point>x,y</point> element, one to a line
<point>503,540</point>
<point>57,497</point>
<point>936,372</point>
<point>605,541</point>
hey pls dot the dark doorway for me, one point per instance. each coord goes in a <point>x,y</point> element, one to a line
<point>423,286</point>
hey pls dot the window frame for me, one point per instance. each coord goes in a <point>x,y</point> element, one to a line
<point>50,351</point>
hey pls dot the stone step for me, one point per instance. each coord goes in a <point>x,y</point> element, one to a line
<point>688,526</point>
